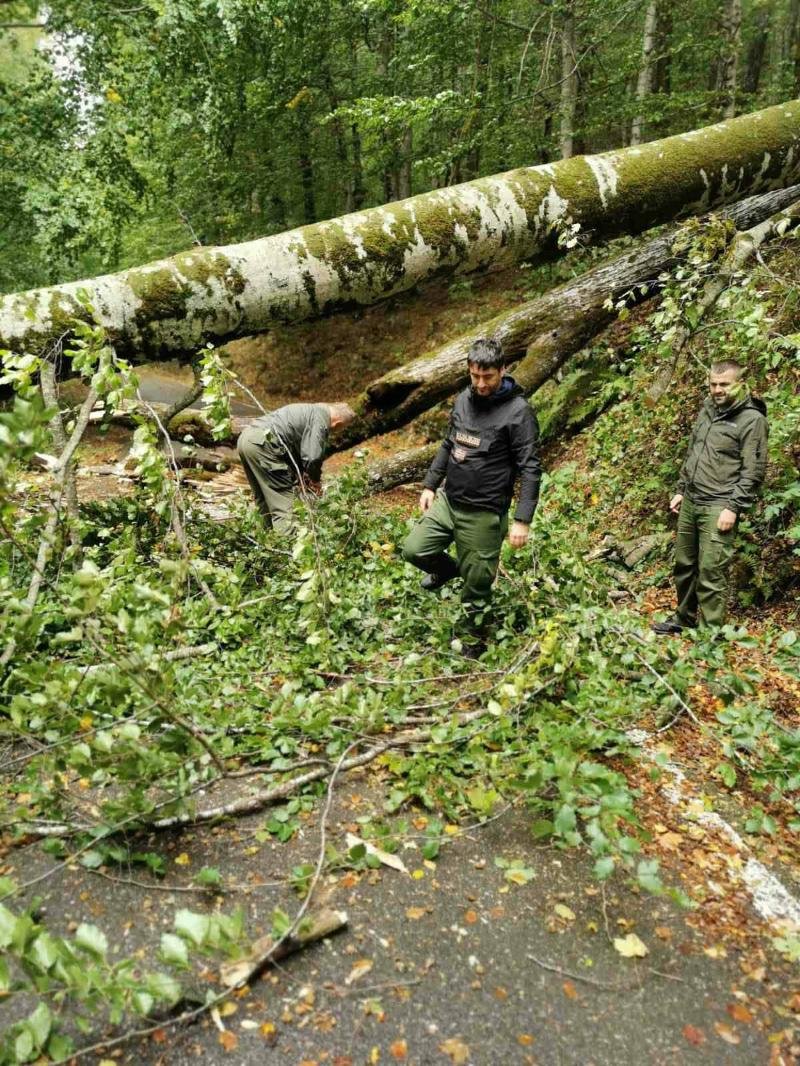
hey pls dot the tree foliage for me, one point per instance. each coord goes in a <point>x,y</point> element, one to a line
<point>136,131</point>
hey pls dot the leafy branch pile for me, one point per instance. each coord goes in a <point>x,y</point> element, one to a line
<point>170,670</point>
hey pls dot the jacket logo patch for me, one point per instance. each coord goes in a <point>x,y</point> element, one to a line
<point>459,454</point>
<point>468,439</point>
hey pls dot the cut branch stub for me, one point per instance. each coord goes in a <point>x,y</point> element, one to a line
<point>213,294</point>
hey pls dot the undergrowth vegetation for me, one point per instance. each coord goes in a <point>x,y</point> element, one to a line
<point>172,670</point>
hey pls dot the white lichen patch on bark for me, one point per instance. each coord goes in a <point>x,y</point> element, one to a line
<point>605,172</point>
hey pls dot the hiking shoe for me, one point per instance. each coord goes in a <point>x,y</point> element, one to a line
<point>432,582</point>
<point>473,649</point>
<point>668,628</point>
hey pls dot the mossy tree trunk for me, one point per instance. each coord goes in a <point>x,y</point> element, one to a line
<point>215,294</point>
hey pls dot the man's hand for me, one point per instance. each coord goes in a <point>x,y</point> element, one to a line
<point>518,537</point>
<point>314,487</point>
<point>726,520</point>
<point>675,503</point>
<point>426,498</point>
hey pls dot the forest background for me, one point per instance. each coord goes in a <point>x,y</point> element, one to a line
<point>131,131</point>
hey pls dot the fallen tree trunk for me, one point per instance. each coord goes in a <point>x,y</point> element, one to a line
<point>743,247</point>
<point>547,330</point>
<point>404,467</point>
<point>545,355</point>
<point>215,294</point>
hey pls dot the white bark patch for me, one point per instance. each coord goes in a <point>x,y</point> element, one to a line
<point>605,174</point>
<point>553,207</point>
<point>770,898</point>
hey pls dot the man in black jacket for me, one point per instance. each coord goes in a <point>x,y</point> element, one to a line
<point>491,440</point>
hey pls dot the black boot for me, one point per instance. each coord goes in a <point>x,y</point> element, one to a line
<point>441,569</point>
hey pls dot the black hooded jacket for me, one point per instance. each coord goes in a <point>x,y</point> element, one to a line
<point>491,440</point>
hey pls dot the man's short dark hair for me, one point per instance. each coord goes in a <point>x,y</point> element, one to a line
<point>724,365</point>
<point>487,353</point>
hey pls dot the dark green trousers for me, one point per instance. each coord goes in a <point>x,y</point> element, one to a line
<point>702,558</point>
<point>272,482</point>
<point>478,537</point>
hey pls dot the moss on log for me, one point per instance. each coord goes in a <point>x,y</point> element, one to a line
<point>216,294</point>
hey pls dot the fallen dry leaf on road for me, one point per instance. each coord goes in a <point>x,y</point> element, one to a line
<point>359,969</point>
<point>630,946</point>
<point>564,912</point>
<point>229,1040</point>
<point>570,991</point>
<point>415,913</point>
<point>398,1050</point>
<point>727,1034</point>
<point>696,1037</point>
<point>394,861</point>
<point>456,1049</point>
<point>740,1013</point>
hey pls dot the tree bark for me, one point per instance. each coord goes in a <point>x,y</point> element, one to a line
<point>644,85</point>
<point>729,59</point>
<point>213,294</point>
<point>755,53</point>
<point>402,468</point>
<point>569,83</point>
<point>546,331</point>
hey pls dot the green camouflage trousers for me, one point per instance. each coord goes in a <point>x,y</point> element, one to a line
<point>478,537</point>
<point>272,482</point>
<point>702,557</point>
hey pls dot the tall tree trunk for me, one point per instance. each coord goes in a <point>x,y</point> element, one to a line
<point>663,67</point>
<point>644,84</point>
<point>405,165</point>
<point>792,57</point>
<point>214,294</point>
<point>729,58</point>
<point>359,192</point>
<point>756,52</point>
<point>480,84</point>
<point>306,162</point>
<point>569,82</point>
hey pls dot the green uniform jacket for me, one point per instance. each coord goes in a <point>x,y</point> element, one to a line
<point>727,456</point>
<point>299,433</point>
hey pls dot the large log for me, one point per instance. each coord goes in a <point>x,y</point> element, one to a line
<point>541,360</point>
<point>546,331</point>
<point>215,294</point>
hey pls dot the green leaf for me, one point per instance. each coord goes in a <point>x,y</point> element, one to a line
<point>8,921</point>
<point>91,939</point>
<point>604,868</point>
<point>565,820</point>
<point>193,926</point>
<point>40,1023</point>
<point>727,774</point>
<point>209,876</point>
<point>174,951</point>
